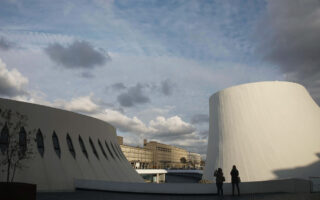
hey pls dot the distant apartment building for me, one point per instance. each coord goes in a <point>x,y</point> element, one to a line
<point>139,158</point>
<point>155,155</point>
<point>167,156</point>
<point>120,140</point>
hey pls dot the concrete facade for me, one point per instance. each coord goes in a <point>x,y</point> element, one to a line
<point>139,158</point>
<point>269,130</point>
<point>167,156</point>
<point>155,155</point>
<point>52,172</point>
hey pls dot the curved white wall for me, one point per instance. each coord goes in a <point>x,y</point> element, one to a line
<point>52,173</point>
<point>270,130</point>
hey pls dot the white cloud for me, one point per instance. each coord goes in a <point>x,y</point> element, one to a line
<point>122,122</point>
<point>173,125</point>
<point>12,82</point>
<point>83,104</point>
<point>160,127</point>
<point>151,113</point>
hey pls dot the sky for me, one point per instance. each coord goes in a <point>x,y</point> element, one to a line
<point>148,67</point>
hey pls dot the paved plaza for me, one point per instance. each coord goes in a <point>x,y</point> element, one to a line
<point>98,195</point>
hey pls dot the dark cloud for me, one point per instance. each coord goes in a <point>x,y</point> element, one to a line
<point>290,38</point>
<point>118,86</point>
<point>79,54</point>
<point>5,44</point>
<point>200,118</point>
<point>134,95</point>
<point>9,90</point>
<point>166,87</point>
<point>88,75</point>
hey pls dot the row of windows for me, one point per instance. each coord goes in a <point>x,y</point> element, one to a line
<point>163,149</point>
<point>4,142</point>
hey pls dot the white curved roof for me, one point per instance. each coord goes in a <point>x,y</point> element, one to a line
<point>51,172</point>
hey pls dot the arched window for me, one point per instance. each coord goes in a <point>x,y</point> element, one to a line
<point>109,149</point>
<point>70,146</point>
<point>4,138</point>
<point>83,147</point>
<point>40,144</point>
<point>114,150</point>
<point>102,149</point>
<point>56,144</point>
<point>23,141</point>
<point>93,148</point>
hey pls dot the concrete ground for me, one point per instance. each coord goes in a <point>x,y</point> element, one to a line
<point>102,195</point>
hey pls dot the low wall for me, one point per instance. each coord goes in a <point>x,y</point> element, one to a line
<point>16,191</point>
<point>274,186</point>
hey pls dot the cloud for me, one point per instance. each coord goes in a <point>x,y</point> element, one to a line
<point>118,86</point>
<point>79,54</point>
<point>167,87</point>
<point>88,75</point>
<point>83,104</point>
<point>153,112</point>
<point>204,134</point>
<point>12,82</point>
<point>5,44</point>
<point>122,122</point>
<point>137,94</point>
<point>171,125</point>
<point>290,39</point>
<point>200,118</point>
<point>164,129</point>
<point>133,96</point>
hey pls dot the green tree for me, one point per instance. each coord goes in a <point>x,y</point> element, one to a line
<point>183,160</point>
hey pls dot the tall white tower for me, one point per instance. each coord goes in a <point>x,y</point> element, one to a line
<point>269,130</point>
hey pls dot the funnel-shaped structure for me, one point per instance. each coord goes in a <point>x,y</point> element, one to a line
<point>269,130</point>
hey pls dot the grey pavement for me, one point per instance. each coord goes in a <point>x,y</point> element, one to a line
<point>103,195</point>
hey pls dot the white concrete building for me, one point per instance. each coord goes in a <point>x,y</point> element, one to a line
<point>269,130</point>
<point>66,146</point>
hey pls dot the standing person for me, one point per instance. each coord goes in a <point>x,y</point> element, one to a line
<point>235,179</point>
<point>219,181</point>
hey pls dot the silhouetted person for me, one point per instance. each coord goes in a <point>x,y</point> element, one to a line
<point>219,181</point>
<point>235,179</point>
